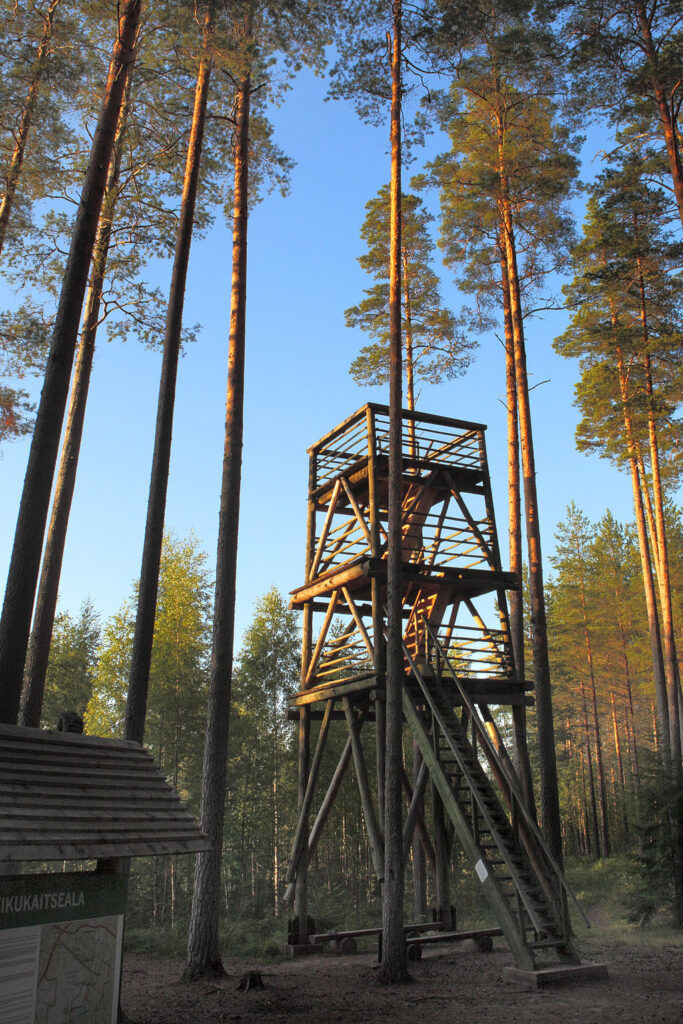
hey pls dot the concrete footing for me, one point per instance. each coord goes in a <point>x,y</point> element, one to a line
<point>556,974</point>
<point>305,949</point>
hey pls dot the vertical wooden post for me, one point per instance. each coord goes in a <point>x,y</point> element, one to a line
<point>441,851</point>
<point>419,871</point>
<point>377,611</point>
<point>301,884</point>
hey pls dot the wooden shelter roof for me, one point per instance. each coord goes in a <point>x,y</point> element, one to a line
<point>65,796</point>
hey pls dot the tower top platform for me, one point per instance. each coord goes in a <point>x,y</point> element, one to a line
<point>428,441</point>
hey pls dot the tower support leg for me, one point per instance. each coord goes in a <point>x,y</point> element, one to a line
<point>301,885</point>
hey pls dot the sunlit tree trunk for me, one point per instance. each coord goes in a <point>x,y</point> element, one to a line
<point>663,577</point>
<point>141,656</point>
<point>515,597</point>
<point>393,967</point>
<point>408,315</point>
<point>48,589</point>
<point>619,757</point>
<point>665,107</point>
<point>602,791</point>
<point>550,803</point>
<point>33,510</point>
<point>594,833</point>
<point>645,561</point>
<point>203,952</point>
<point>662,738</point>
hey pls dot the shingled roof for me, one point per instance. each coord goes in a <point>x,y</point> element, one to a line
<point>70,797</point>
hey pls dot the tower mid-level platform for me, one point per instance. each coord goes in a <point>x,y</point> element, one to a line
<point>451,570</point>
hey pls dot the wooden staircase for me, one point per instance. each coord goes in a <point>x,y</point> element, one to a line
<point>520,878</point>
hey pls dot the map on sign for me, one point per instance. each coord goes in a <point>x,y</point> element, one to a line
<point>60,947</point>
<point>78,971</point>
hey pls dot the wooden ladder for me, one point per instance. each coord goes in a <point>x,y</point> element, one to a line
<point>520,879</point>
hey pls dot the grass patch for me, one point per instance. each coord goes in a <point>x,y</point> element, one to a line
<point>605,890</point>
<point>158,942</point>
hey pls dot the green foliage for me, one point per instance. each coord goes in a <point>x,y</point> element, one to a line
<point>512,163</point>
<point>595,604</point>
<point>65,79</point>
<point>653,860</point>
<point>625,55</point>
<point>434,347</point>
<point>72,665</point>
<point>23,346</point>
<point>506,140</point>
<point>262,765</point>
<point>626,304</point>
<point>178,677</point>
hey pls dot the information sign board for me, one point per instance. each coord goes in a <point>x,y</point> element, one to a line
<point>60,947</point>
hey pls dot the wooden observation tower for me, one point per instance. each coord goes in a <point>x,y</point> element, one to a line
<point>458,663</point>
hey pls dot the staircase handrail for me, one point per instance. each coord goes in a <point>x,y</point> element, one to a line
<point>515,792</point>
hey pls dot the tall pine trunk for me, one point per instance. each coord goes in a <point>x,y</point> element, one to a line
<point>644,549</point>
<point>35,670</point>
<point>394,967</point>
<point>203,951</point>
<point>550,800</point>
<point>141,657</point>
<point>662,732</point>
<point>418,854</point>
<point>33,510</point>
<point>663,576</point>
<point>408,315</point>
<point>665,106</point>
<point>594,834</point>
<point>602,790</point>
<point>26,122</point>
<point>515,597</point>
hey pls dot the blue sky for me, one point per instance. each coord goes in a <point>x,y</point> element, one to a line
<point>302,275</point>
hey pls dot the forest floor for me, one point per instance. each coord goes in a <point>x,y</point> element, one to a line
<point>450,984</point>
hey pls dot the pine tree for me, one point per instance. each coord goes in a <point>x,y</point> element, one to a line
<point>434,346</point>
<point>258,33</point>
<point>24,565</point>
<point>151,555</point>
<point>619,359</point>
<point>73,663</point>
<point>516,154</point>
<point>572,562</point>
<point>627,59</point>
<point>625,331</point>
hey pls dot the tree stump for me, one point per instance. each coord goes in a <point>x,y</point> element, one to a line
<point>252,979</point>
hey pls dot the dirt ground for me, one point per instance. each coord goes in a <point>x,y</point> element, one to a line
<point>450,984</point>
